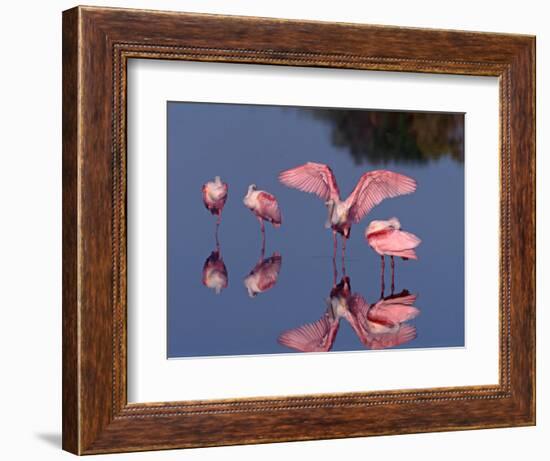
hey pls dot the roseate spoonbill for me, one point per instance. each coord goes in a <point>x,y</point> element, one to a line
<point>387,238</point>
<point>214,196</point>
<point>371,189</point>
<point>264,206</point>
<point>214,272</point>
<point>264,275</point>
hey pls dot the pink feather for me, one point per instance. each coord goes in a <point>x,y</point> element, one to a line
<point>314,178</point>
<point>374,187</point>
<point>312,337</point>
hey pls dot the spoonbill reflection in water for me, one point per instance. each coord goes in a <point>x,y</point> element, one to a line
<point>214,272</point>
<point>264,275</point>
<point>382,325</point>
<point>378,326</point>
<point>371,189</point>
<point>387,238</point>
<point>264,206</point>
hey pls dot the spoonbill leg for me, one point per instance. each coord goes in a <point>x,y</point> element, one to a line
<point>382,268</point>
<point>392,275</point>
<point>216,236</point>
<point>334,272</point>
<point>344,269</point>
<point>262,228</point>
<point>344,241</point>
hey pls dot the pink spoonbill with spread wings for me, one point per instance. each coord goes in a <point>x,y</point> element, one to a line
<point>387,238</point>
<point>371,189</point>
<point>214,196</point>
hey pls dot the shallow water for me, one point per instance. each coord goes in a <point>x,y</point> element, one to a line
<point>247,144</point>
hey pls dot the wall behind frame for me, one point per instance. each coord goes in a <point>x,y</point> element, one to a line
<point>30,243</point>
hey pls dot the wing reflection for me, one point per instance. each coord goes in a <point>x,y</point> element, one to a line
<point>378,326</point>
<point>312,337</point>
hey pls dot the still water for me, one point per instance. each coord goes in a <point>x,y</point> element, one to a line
<point>251,144</point>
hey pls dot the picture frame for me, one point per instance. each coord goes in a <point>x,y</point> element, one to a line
<point>97,45</point>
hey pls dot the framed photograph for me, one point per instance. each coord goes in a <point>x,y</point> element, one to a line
<point>281,230</point>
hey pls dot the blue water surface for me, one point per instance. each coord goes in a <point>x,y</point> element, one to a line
<point>247,144</point>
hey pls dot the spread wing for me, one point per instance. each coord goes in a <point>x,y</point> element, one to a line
<point>374,187</point>
<point>403,297</point>
<point>314,178</point>
<point>358,306</point>
<point>403,335</point>
<point>312,337</point>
